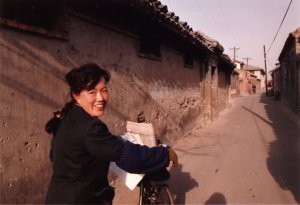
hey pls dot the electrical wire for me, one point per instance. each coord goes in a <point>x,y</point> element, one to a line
<point>280,26</point>
<point>269,61</point>
<point>226,22</point>
<point>208,19</point>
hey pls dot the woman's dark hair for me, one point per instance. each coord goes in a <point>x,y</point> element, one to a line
<point>86,77</point>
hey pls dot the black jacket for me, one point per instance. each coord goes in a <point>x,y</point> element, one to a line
<point>82,151</point>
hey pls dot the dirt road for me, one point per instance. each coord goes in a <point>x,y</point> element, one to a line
<point>249,155</point>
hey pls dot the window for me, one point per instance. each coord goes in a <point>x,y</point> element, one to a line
<point>188,59</point>
<point>149,45</point>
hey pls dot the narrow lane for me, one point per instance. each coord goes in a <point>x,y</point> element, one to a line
<point>249,155</point>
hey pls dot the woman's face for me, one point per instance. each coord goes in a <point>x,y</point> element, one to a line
<point>94,101</point>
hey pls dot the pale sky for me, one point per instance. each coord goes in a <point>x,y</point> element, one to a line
<point>244,24</point>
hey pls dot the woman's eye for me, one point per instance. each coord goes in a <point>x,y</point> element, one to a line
<point>92,92</point>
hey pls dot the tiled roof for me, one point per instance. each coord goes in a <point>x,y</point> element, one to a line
<point>274,70</point>
<point>226,58</point>
<point>159,13</point>
<point>239,62</point>
<point>210,42</point>
<point>295,35</point>
<point>173,22</point>
<point>253,68</point>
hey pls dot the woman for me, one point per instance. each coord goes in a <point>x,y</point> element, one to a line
<point>83,147</point>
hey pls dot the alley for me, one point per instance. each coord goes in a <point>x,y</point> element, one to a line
<point>249,155</point>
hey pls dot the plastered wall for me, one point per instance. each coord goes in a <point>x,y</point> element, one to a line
<point>32,87</point>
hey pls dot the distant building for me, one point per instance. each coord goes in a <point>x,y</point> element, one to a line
<point>239,65</point>
<point>245,77</point>
<point>235,79</point>
<point>259,73</point>
<point>234,83</point>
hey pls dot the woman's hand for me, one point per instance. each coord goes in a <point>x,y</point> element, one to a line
<point>173,156</point>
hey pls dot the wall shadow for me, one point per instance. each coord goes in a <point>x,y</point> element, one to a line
<point>284,152</point>
<point>180,183</point>
<point>216,198</point>
<point>17,47</point>
<point>32,94</point>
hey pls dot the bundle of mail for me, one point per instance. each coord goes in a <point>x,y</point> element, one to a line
<point>138,133</point>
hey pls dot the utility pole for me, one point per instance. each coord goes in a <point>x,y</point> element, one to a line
<point>266,78</point>
<point>247,59</point>
<point>234,51</point>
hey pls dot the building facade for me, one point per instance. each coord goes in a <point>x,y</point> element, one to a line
<point>248,79</point>
<point>289,71</point>
<point>276,80</point>
<point>158,65</point>
<point>260,75</point>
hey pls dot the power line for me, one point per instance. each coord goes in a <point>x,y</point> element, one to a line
<point>228,26</point>
<point>280,25</point>
<point>207,18</point>
<point>269,61</point>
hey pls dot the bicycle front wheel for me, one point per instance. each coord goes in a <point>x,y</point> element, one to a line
<point>165,196</point>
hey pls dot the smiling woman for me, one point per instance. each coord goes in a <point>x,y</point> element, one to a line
<point>93,98</point>
<point>83,147</point>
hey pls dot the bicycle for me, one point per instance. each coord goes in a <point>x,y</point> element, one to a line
<point>154,190</point>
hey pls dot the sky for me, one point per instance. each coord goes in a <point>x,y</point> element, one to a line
<point>244,24</point>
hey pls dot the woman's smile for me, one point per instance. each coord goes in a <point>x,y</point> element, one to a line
<point>94,101</point>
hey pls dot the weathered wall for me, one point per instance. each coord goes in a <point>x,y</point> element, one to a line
<point>245,82</point>
<point>213,69</point>
<point>290,79</point>
<point>223,90</point>
<point>32,87</point>
<point>290,71</point>
<point>298,72</point>
<point>276,80</point>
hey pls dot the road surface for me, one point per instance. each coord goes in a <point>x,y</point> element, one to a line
<point>249,155</point>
